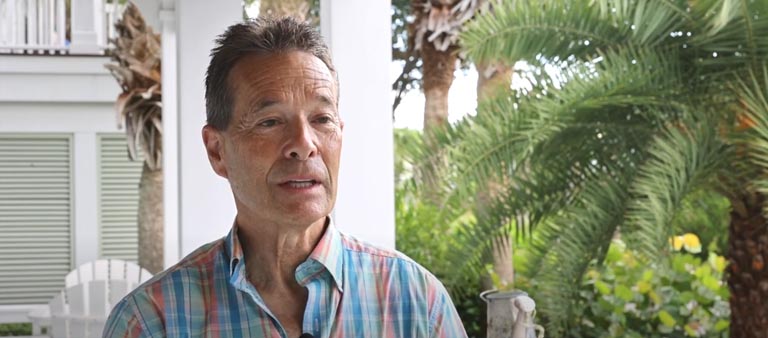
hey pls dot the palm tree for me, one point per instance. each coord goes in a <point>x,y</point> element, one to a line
<point>434,39</point>
<point>137,70</point>
<point>630,106</point>
<point>435,31</point>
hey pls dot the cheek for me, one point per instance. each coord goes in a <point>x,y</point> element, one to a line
<point>248,161</point>
<point>333,145</point>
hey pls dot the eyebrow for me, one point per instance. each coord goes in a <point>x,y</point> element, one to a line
<point>325,101</point>
<point>263,104</point>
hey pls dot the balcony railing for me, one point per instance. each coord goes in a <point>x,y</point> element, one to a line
<point>53,27</point>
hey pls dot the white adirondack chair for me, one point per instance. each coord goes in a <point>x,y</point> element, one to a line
<point>91,290</point>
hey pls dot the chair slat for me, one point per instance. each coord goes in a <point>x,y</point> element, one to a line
<point>77,298</point>
<point>132,272</point>
<point>116,269</point>
<point>98,295</point>
<point>101,269</point>
<point>117,290</point>
<point>59,311</point>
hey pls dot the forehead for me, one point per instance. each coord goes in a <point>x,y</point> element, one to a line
<point>293,72</point>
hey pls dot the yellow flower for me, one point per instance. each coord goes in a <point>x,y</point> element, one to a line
<point>677,242</point>
<point>691,243</point>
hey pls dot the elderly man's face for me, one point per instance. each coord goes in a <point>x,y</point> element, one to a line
<point>281,150</point>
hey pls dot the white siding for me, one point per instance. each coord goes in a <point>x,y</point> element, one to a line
<point>35,216</point>
<point>118,199</point>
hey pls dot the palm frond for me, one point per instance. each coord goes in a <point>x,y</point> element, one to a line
<point>714,15</point>
<point>544,149</point>
<point>137,57</point>
<point>680,159</point>
<point>528,200</point>
<point>595,99</point>
<point>649,22</point>
<point>731,32</point>
<point>568,243</point>
<point>558,29</point>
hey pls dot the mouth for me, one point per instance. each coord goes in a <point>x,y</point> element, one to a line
<point>300,184</point>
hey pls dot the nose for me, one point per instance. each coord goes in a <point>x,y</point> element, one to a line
<point>301,142</point>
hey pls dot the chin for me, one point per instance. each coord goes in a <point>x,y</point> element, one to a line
<point>306,214</point>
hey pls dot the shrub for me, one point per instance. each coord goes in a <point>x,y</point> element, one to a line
<point>16,329</point>
<point>683,297</point>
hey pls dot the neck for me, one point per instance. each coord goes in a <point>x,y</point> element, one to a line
<point>274,251</point>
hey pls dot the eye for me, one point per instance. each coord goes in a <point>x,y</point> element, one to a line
<point>324,119</point>
<point>268,123</point>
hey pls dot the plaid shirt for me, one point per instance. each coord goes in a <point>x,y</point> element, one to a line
<point>355,290</point>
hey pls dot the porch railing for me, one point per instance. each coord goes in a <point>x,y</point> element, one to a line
<point>52,27</point>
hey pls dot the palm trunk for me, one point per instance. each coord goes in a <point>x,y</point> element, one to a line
<point>151,220</point>
<point>748,277</point>
<point>490,80</point>
<point>438,70</point>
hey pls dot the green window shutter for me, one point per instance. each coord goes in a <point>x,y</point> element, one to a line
<point>118,199</point>
<point>35,216</point>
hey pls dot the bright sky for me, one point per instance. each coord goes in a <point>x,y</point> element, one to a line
<point>462,99</point>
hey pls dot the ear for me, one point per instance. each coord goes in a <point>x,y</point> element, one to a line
<point>341,124</point>
<point>214,146</point>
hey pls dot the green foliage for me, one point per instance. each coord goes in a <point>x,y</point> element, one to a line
<point>417,228</point>
<point>680,159</point>
<point>423,234</point>
<point>683,297</point>
<point>16,329</point>
<point>704,213</point>
<point>655,100</point>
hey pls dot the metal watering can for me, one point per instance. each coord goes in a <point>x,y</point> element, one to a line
<point>510,314</point>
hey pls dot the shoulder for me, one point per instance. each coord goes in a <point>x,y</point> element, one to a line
<point>400,276</point>
<point>358,247</point>
<point>388,261</point>
<point>143,309</point>
<point>190,269</point>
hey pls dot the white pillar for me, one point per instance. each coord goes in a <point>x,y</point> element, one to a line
<point>167,17</point>
<point>87,17</point>
<point>85,177</point>
<point>358,33</point>
<point>206,207</point>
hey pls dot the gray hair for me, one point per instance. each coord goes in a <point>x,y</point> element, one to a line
<point>261,36</point>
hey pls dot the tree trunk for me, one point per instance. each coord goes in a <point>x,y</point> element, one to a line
<point>151,220</point>
<point>490,80</point>
<point>493,78</point>
<point>748,277</point>
<point>438,67</point>
<point>502,254</point>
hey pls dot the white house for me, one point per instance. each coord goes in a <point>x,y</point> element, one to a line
<point>67,190</point>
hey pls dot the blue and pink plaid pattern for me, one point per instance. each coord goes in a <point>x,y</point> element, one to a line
<point>355,290</point>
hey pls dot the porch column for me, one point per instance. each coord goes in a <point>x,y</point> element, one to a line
<point>358,33</point>
<point>168,31</point>
<point>87,17</point>
<point>206,209</point>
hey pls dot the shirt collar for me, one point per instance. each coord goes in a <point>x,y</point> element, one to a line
<point>234,250</point>
<point>328,253</point>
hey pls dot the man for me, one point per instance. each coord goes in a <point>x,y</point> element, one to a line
<point>284,270</point>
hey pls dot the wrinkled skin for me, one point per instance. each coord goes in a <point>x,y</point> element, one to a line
<point>285,125</point>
